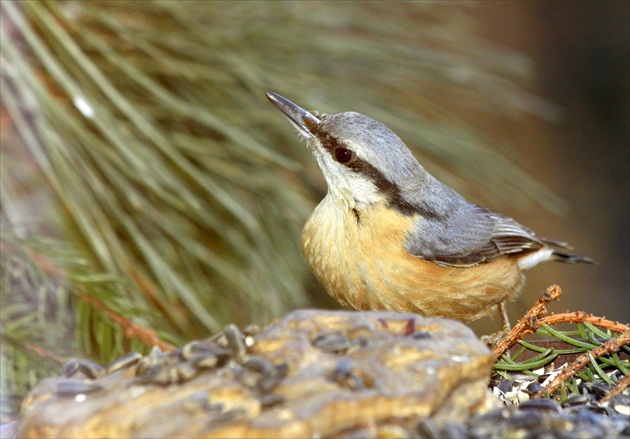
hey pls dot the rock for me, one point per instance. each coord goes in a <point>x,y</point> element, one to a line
<point>312,373</point>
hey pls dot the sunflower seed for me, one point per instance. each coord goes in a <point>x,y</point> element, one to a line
<point>235,342</point>
<point>88,368</point>
<point>123,362</point>
<point>330,343</point>
<point>74,388</point>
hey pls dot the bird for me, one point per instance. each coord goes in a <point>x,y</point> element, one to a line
<point>390,236</point>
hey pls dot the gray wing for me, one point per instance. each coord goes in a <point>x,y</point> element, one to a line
<point>471,235</point>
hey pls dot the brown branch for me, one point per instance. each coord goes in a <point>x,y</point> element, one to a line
<point>148,290</point>
<point>529,322</point>
<point>582,317</point>
<point>612,345</point>
<point>620,387</point>
<point>44,353</point>
<point>131,329</point>
<point>46,265</point>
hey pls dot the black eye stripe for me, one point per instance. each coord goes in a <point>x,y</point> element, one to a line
<point>356,164</point>
<point>328,142</point>
<point>339,151</point>
<point>390,189</point>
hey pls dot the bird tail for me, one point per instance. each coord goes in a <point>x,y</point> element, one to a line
<point>568,258</point>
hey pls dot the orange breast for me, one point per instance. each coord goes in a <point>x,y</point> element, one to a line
<point>363,265</point>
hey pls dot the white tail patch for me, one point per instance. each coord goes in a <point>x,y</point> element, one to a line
<point>533,259</point>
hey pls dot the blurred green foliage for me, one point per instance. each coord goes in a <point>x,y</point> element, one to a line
<point>180,190</point>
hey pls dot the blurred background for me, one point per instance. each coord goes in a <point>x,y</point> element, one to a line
<point>150,192</point>
<point>581,65</point>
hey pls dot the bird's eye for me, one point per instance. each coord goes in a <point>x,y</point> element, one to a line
<point>343,155</point>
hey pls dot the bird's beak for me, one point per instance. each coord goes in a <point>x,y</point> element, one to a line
<point>305,122</point>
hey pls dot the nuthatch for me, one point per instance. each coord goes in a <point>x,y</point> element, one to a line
<point>388,235</point>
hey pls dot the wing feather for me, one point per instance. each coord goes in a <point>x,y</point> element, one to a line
<point>469,236</point>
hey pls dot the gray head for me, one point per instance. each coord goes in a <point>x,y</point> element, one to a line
<point>364,162</point>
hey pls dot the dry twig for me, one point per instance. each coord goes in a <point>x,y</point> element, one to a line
<point>620,387</point>
<point>612,345</point>
<point>530,321</point>
<point>582,317</point>
<point>132,330</point>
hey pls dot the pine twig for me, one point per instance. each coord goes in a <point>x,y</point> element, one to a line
<point>582,317</point>
<point>147,288</point>
<point>620,387</point>
<point>612,345</point>
<point>529,322</point>
<point>131,329</point>
<point>44,353</point>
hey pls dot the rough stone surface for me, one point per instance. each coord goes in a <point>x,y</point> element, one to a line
<point>312,373</point>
